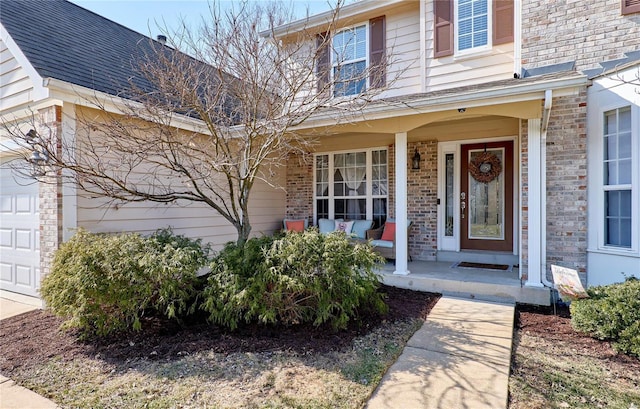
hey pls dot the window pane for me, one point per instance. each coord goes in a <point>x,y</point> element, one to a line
<point>480,39</point>
<point>379,212</point>
<point>624,172</point>
<point>449,199</point>
<point>465,9</point>
<point>322,209</point>
<point>465,27</point>
<point>352,209</point>
<point>624,120</point>
<point>624,145</point>
<point>618,218</point>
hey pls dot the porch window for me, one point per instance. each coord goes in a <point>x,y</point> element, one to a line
<point>351,185</point>
<point>617,178</point>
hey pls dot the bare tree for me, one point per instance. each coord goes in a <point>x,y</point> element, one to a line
<point>207,116</point>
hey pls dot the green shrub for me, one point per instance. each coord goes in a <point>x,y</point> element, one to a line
<point>105,283</point>
<point>299,278</point>
<point>611,313</point>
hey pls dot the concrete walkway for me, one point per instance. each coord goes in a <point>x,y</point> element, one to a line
<point>13,396</point>
<point>460,358</point>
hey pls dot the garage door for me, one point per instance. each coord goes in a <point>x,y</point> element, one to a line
<point>19,235</point>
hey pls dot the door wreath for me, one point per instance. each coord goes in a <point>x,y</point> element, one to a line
<point>485,167</point>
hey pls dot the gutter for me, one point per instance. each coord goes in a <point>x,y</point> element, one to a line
<point>83,96</point>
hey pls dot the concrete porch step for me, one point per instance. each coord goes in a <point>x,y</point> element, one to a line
<point>468,283</point>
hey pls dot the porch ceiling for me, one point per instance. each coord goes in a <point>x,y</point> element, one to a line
<point>407,123</point>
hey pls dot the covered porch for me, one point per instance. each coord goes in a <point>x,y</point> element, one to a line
<point>463,282</point>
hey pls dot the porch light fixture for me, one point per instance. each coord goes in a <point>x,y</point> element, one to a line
<point>38,158</point>
<point>415,162</point>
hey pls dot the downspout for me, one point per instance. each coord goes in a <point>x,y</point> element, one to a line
<point>548,101</point>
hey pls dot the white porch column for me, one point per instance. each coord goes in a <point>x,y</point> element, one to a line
<point>535,200</point>
<point>402,250</point>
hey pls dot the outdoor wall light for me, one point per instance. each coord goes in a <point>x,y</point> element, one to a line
<point>38,158</point>
<point>415,162</point>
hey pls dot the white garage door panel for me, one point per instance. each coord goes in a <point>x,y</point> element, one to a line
<point>19,235</point>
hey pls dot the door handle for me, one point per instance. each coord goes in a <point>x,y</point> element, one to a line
<point>463,204</point>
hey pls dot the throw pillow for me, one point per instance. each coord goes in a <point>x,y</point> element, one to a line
<point>389,232</point>
<point>344,226</point>
<point>295,225</point>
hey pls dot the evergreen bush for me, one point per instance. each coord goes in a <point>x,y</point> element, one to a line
<point>104,283</point>
<point>611,313</point>
<point>303,277</point>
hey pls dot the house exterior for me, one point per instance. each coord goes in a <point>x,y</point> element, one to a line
<point>505,106</point>
<point>528,91</point>
<point>53,67</point>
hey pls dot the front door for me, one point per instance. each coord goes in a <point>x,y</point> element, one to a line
<point>486,196</point>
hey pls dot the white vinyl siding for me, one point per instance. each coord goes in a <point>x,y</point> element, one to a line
<point>194,220</point>
<point>403,46</point>
<point>493,64</point>
<point>16,88</point>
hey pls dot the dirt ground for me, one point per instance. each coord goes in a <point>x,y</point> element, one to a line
<point>34,337</point>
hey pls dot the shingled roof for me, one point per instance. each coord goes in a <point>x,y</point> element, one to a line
<point>64,41</point>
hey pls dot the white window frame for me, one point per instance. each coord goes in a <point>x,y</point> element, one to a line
<point>456,32</point>
<point>369,182</point>
<point>633,186</point>
<point>334,64</point>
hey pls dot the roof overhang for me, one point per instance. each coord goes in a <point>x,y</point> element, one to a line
<point>348,14</point>
<point>510,97</point>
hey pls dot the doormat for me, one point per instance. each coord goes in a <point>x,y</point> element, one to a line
<point>467,264</point>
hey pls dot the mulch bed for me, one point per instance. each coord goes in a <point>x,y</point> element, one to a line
<point>543,323</point>
<point>35,337</point>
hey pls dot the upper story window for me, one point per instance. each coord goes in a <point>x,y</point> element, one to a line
<point>473,24</point>
<point>618,178</point>
<point>349,61</point>
<point>462,26</point>
<point>352,59</point>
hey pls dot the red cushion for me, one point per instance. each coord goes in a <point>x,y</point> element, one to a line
<point>295,225</point>
<point>389,232</point>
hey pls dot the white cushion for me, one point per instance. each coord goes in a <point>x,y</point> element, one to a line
<point>382,243</point>
<point>344,226</point>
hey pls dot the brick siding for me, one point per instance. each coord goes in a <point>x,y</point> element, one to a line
<point>50,197</point>
<point>566,188</point>
<point>588,32</point>
<point>299,186</point>
<point>421,200</point>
